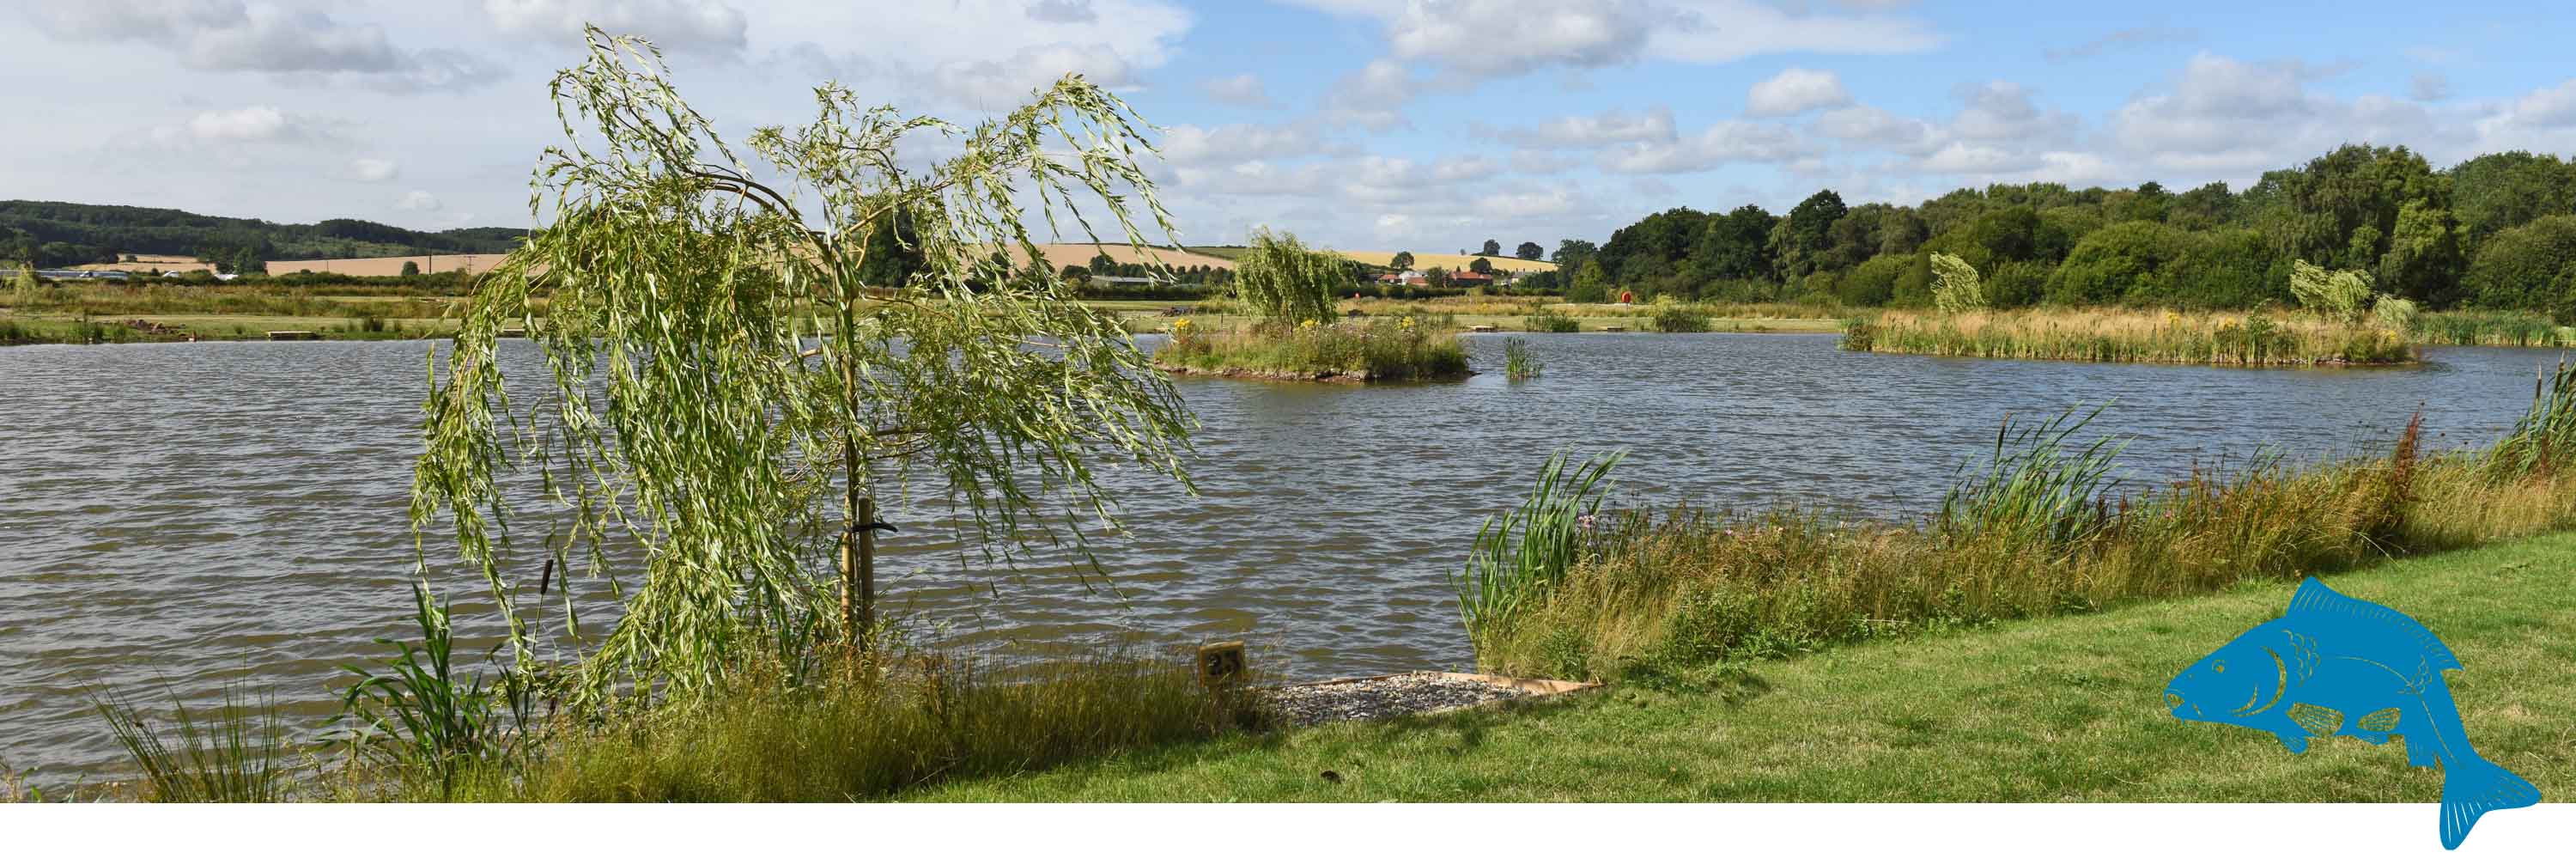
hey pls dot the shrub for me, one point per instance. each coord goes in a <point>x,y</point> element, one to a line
<point>2393,313</point>
<point>1283,282</point>
<point>2531,267</point>
<point>2340,296</point>
<point>1955,288</point>
<point>1673,317</point>
<point>1549,319</point>
<point>1519,363</point>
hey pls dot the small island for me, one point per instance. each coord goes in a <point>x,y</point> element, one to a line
<point>1293,333</point>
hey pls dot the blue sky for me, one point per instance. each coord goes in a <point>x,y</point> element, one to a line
<point>1378,124</point>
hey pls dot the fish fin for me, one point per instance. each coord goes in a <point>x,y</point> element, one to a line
<point>2379,721</point>
<point>2296,742</point>
<point>2315,599</point>
<point>2321,721</point>
<point>2420,754</point>
<point>2475,788</point>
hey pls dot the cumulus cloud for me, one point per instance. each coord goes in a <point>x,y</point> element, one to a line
<point>418,201</point>
<point>1865,125</point>
<point>2118,39</point>
<point>1372,96</point>
<point>1729,142</point>
<point>976,54</point>
<point>2002,110</point>
<point>220,36</point>
<point>374,170</point>
<point>2429,86</point>
<point>1195,146</point>
<point>1795,91</point>
<point>1243,90</point>
<point>1609,127</point>
<point>997,84</point>
<point>1063,11</point>
<point>1487,38</point>
<point>675,25</point>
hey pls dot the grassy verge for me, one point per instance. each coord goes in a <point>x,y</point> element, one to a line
<point>2042,530</point>
<point>1379,349</point>
<point>2057,710</point>
<point>2252,339</point>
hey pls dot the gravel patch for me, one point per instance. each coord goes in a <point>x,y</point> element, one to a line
<point>1315,704</point>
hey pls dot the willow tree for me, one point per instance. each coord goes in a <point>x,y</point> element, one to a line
<point>1955,288</point>
<point>1283,282</point>
<point>735,378</point>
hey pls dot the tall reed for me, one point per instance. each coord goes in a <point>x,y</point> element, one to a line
<point>2545,437</point>
<point>1520,363</point>
<point>2253,339</point>
<point>1527,550</point>
<point>2038,486</point>
<point>237,753</point>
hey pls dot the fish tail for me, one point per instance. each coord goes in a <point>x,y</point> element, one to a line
<point>2475,787</point>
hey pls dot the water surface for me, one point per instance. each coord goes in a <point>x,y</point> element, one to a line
<point>201,514</point>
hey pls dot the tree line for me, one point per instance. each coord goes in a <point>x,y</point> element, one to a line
<point>64,234</point>
<point>2495,232</point>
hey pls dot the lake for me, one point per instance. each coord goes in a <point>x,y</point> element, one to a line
<point>181,517</point>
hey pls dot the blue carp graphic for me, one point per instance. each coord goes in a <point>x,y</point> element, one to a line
<point>2335,665</point>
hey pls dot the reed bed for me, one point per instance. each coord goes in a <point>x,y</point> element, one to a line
<point>2250,340</point>
<point>2041,531</point>
<point>1377,349</point>
<point>2489,328</point>
<point>1498,306</point>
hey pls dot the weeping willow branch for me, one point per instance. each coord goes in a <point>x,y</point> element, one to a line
<point>741,359</point>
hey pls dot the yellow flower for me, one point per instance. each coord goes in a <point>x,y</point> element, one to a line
<point>1307,325</point>
<point>2172,318</point>
<point>1406,324</point>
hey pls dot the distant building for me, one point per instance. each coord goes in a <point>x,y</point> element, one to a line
<point>1469,278</point>
<point>1407,278</point>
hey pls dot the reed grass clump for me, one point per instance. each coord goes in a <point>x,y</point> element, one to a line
<point>1377,349</point>
<point>870,732</point>
<point>2167,337</point>
<point>1672,317</point>
<point>1521,554</point>
<point>1550,320</point>
<point>1520,363</point>
<point>2041,531</point>
<point>2543,441</point>
<point>2488,328</point>
<point>235,753</point>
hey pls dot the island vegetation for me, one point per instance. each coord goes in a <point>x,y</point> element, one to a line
<point>1293,332</point>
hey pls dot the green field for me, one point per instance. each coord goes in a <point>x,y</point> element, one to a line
<point>2060,710</point>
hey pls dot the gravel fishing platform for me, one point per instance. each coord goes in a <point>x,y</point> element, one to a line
<point>1390,695</point>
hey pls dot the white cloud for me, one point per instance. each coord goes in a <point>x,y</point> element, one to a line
<point>1372,96</point>
<point>250,123</point>
<point>1064,11</point>
<point>1586,132</point>
<point>1872,126</point>
<point>1195,146</point>
<point>418,201</point>
<point>232,36</point>
<point>1242,90</point>
<point>978,54</point>
<point>1728,142</point>
<point>2002,110</point>
<point>374,170</point>
<point>1795,91</point>
<point>1486,38</point>
<point>674,25</point>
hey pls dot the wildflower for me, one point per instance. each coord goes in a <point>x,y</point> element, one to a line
<point>1406,323</point>
<point>1584,521</point>
<point>1308,325</point>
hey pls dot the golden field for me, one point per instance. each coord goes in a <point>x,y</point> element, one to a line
<point>388,266</point>
<point>1077,253</point>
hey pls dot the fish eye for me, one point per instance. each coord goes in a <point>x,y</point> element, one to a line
<point>2220,667</point>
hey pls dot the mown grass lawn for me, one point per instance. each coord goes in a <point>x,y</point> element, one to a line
<point>2059,710</point>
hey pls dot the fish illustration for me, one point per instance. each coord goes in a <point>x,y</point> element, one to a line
<point>2338,665</point>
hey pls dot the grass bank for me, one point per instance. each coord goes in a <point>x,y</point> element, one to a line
<point>1376,349</point>
<point>2043,527</point>
<point>2257,339</point>
<point>2488,328</point>
<point>2058,710</point>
